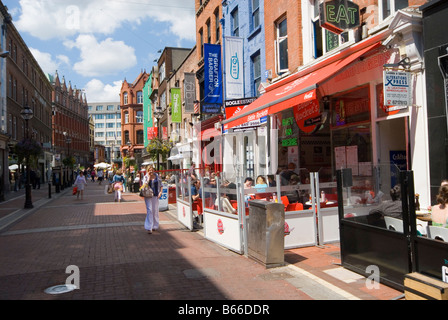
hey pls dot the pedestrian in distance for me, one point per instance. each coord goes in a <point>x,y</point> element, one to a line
<point>80,183</point>
<point>118,181</point>
<point>100,174</point>
<point>153,181</point>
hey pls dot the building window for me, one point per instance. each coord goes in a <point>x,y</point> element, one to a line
<point>110,125</point>
<point>99,125</point>
<point>255,14</point>
<point>201,40</point>
<point>125,98</point>
<point>217,34</point>
<point>162,72</point>
<point>140,137</point>
<point>110,116</point>
<point>389,7</point>
<point>99,108</point>
<point>126,137</point>
<point>111,134</point>
<point>209,32</point>
<point>282,46</point>
<point>110,108</point>
<point>140,97</point>
<point>99,116</point>
<point>234,23</point>
<point>99,134</point>
<point>139,117</point>
<point>126,117</point>
<point>256,72</point>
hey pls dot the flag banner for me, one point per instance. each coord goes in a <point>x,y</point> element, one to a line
<point>234,67</point>
<point>213,74</point>
<point>176,106</point>
<point>189,92</point>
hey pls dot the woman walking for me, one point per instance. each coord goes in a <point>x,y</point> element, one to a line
<point>152,180</point>
<point>80,182</point>
<point>118,181</point>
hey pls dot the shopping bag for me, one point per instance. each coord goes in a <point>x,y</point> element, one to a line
<point>75,190</point>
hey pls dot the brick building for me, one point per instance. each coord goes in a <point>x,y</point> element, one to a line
<point>27,85</point>
<point>131,106</point>
<point>71,135</point>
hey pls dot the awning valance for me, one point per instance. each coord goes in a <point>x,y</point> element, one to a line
<point>297,91</point>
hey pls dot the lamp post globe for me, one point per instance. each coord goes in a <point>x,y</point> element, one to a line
<point>27,114</point>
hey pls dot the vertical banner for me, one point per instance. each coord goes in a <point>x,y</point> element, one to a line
<point>176,106</point>
<point>189,92</point>
<point>234,67</point>
<point>213,74</point>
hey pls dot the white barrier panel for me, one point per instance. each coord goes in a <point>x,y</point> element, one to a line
<point>328,225</point>
<point>301,226</point>
<point>163,200</point>
<point>223,229</point>
<point>185,213</point>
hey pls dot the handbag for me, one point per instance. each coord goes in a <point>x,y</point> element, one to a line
<point>146,192</point>
<point>75,190</point>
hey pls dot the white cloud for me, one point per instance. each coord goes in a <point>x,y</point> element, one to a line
<point>97,91</point>
<point>102,58</point>
<point>48,19</point>
<point>46,61</point>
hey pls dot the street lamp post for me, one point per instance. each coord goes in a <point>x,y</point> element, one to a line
<point>68,141</point>
<point>27,114</point>
<point>158,114</point>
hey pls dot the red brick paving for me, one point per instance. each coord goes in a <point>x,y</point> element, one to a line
<point>124,262</point>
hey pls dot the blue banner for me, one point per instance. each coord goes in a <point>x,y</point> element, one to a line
<point>213,74</point>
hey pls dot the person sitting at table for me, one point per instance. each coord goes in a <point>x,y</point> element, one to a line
<point>293,195</point>
<point>439,212</point>
<point>444,182</point>
<point>261,182</point>
<point>195,193</point>
<point>390,208</point>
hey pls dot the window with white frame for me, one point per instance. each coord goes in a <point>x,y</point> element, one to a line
<point>126,117</point>
<point>235,23</point>
<point>125,98</point>
<point>139,117</point>
<point>282,46</point>
<point>389,7</point>
<point>140,97</point>
<point>255,14</point>
<point>256,73</point>
<point>323,39</point>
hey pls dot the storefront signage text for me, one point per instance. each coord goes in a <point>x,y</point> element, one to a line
<point>213,80</point>
<point>339,15</point>
<point>397,88</point>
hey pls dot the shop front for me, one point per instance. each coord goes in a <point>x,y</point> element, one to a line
<point>331,116</point>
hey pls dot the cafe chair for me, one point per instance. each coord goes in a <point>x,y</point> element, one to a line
<point>438,233</point>
<point>393,224</point>
<point>285,201</point>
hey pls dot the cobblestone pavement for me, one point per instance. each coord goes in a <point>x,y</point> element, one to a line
<point>118,259</point>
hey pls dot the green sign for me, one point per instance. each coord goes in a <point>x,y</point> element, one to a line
<point>339,15</point>
<point>176,106</point>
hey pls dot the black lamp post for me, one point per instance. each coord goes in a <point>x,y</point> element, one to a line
<point>158,114</point>
<point>68,140</point>
<point>27,114</point>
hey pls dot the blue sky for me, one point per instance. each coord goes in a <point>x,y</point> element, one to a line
<point>96,44</point>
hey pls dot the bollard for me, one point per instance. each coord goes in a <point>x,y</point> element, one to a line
<point>49,190</point>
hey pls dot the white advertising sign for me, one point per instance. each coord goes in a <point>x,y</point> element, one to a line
<point>397,89</point>
<point>234,67</point>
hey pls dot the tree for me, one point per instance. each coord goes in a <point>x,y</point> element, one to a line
<point>157,146</point>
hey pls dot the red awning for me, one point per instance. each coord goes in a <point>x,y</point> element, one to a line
<point>296,91</point>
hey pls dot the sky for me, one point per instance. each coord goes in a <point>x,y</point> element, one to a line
<point>96,44</point>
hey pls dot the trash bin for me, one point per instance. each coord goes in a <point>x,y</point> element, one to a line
<point>266,236</point>
<point>172,195</point>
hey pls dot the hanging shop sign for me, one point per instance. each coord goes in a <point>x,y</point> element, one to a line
<point>189,92</point>
<point>339,15</point>
<point>213,74</point>
<point>234,67</point>
<point>235,106</point>
<point>176,106</point>
<point>397,89</point>
<point>307,115</point>
<point>151,132</point>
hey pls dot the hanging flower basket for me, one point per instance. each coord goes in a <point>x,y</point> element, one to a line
<point>27,148</point>
<point>69,162</point>
<point>158,146</point>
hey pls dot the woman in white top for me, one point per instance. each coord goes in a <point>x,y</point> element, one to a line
<point>80,182</point>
